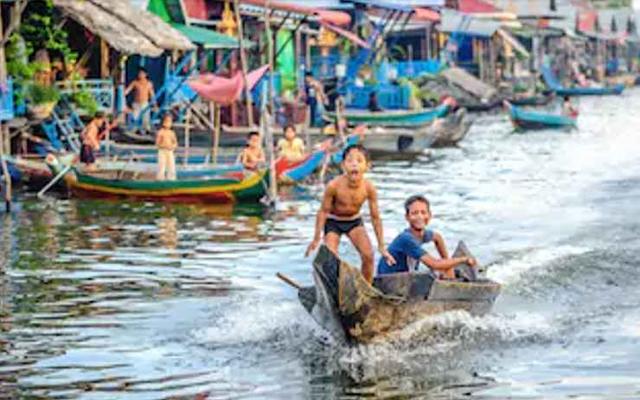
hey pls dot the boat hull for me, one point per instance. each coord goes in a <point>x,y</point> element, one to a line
<point>392,118</point>
<point>345,304</point>
<point>532,120</point>
<point>214,189</point>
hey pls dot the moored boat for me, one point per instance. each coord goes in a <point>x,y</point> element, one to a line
<point>292,172</point>
<point>345,304</point>
<point>392,117</point>
<point>143,186</point>
<point>451,130</point>
<point>555,86</point>
<point>529,120</point>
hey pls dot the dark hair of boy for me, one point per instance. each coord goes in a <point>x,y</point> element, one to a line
<point>355,147</point>
<point>287,127</point>
<point>413,199</point>
<point>252,133</point>
<point>142,69</point>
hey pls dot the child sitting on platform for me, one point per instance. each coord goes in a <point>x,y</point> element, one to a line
<point>252,156</point>
<point>339,213</point>
<point>291,147</point>
<point>406,247</point>
<point>167,143</point>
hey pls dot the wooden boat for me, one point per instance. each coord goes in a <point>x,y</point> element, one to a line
<point>390,141</point>
<point>392,117</point>
<point>526,120</point>
<point>536,100</point>
<point>289,173</point>
<point>451,130</point>
<point>553,84</point>
<point>345,304</point>
<point>143,186</point>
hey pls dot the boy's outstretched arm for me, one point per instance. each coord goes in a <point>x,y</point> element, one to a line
<point>374,211</point>
<point>321,217</point>
<point>438,240</point>
<point>446,265</point>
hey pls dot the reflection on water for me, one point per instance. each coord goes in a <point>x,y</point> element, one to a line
<point>105,299</point>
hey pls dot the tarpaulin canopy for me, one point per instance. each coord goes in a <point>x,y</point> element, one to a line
<point>425,14</point>
<point>348,35</point>
<point>332,17</point>
<point>225,91</point>
<point>475,6</point>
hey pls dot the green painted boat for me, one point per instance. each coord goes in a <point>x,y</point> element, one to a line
<point>392,117</point>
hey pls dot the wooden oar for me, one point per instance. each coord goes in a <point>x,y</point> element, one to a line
<point>289,281</point>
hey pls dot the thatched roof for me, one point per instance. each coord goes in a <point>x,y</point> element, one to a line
<point>126,28</point>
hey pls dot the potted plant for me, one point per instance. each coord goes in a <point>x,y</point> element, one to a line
<point>41,100</point>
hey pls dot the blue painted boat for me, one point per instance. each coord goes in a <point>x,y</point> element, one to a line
<point>553,84</point>
<point>392,117</point>
<point>526,120</point>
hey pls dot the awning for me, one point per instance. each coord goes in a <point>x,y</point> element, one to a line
<point>208,38</point>
<point>475,6</point>
<point>331,17</point>
<point>455,22</point>
<point>225,91</point>
<point>514,43</point>
<point>348,35</point>
<point>425,14</point>
<point>125,27</point>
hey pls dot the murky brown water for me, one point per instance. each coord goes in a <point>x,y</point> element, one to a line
<point>105,300</point>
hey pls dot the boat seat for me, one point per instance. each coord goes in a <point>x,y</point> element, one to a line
<point>409,285</point>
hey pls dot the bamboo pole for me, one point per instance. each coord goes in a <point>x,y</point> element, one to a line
<point>268,117</point>
<point>187,135</point>
<point>243,63</point>
<point>5,141</point>
<point>215,110</point>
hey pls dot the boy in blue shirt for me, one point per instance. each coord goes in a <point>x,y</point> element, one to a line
<point>406,247</point>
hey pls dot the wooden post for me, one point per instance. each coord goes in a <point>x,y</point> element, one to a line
<point>187,135</point>
<point>270,56</point>
<point>243,62</point>
<point>214,109</point>
<point>104,59</point>
<point>5,141</point>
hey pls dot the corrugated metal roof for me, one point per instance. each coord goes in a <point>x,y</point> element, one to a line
<point>453,21</point>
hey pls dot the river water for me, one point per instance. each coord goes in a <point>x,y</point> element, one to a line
<point>104,300</point>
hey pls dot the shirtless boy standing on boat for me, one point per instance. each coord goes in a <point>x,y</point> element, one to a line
<point>406,247</point>
<point>339,213</point>
<point>167,143</point>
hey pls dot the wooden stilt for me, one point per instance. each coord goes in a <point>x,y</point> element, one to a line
<point>5,170</point>
<point>243,63</point>
<point>215,110</point>
<point>187,134</point>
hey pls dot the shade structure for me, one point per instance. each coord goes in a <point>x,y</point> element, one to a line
<point>207,38</point>
<point>225,91</point>
<point>338,18</point>
<point>348,35</point>
<point>126,28</point>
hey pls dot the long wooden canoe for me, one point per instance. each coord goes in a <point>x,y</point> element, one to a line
<point>530,120</point>
<point>345,304</point>
<point>142,186</point>
<point>392,117</point>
